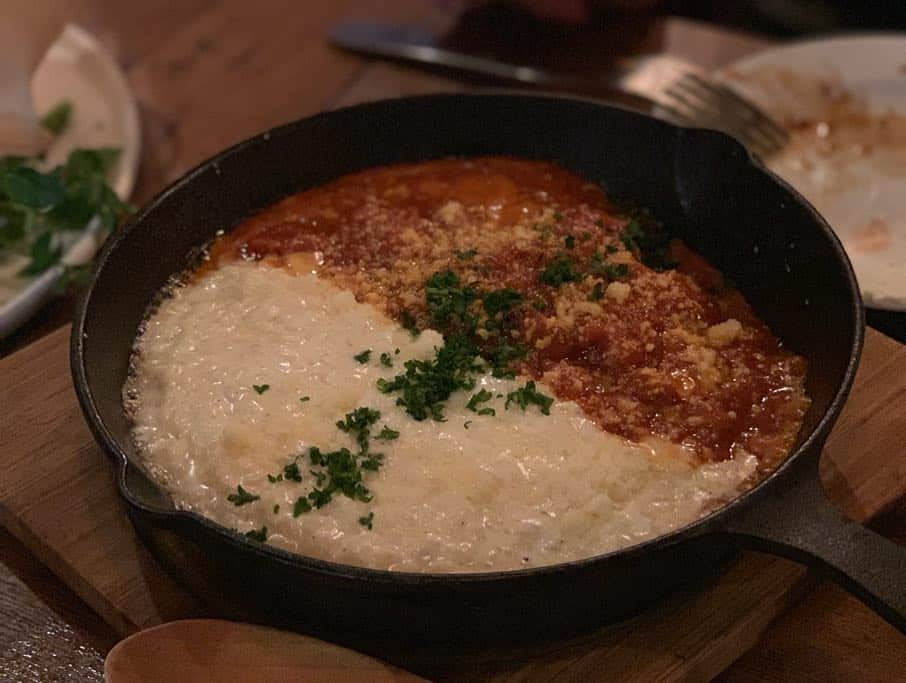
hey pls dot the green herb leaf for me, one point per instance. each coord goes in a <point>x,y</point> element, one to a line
<point>386,360</point>
<point>44,254</point>
<point>320,497</point>
<point>528,395</point>
<point>569,241</point>
<point>499,300</point>
<point>303,399</point>
<point>612,271</point>
<point>482,396</point>
<point>363,357</point>
<point>13,222</point>
<point>259,535</point>
<point>28,187</point>
<point>367,520</point>
<point>448,301</point>
<point>260,388</point>
<point>242,497</point>
<point>466,255</point>
<point>301,506</point>
<point>358,423</point>
<point>409,323</point>
<point>291,472</point>
<point>597,292</point>
<point>84,163</point>
<point>388,434</point>
<point>426,384</point>
<point>650,243</point>
<point>560,271</point>
<point>57,118</point>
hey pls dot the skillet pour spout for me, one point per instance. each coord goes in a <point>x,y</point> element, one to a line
<point>703,185</point>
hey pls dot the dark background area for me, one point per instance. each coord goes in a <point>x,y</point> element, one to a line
<point>790,18</point>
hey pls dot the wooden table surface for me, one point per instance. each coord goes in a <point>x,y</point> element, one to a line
<point>208,73</point>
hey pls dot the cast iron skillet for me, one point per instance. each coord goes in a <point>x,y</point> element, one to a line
<point>702,184</point>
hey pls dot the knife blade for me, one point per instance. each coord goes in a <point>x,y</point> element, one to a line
<point>416,46</point>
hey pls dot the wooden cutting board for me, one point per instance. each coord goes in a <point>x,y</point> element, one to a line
<point>57,496</point>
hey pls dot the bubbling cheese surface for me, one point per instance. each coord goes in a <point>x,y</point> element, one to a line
<point>470,494</point>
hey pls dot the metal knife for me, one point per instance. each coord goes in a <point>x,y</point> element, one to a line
<point>632,81</point>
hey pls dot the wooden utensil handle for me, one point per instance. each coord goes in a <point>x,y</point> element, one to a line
<point>796,520</point>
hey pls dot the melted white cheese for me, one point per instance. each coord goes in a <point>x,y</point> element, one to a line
<point>514,490</point>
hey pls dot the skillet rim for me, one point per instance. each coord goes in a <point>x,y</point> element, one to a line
<point>700,527</point>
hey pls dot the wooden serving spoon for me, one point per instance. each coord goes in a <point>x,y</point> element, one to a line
<point>213,649</point>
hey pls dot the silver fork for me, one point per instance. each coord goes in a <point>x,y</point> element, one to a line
<point>663,85</point>
<point>695,100</point>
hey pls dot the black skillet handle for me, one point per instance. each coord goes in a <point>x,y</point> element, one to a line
<point>795,520</point>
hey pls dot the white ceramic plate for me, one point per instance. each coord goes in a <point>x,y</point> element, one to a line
<point>845,101</point>
<point>77,69</point>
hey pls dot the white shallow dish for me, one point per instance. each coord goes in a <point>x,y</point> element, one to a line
<point>861,194</point>
<point>77,69</point>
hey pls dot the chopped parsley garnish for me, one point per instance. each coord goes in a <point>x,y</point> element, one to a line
<point>649,242</point>
<point>528,395</point>
<point>558,216</point>
<point>291,472</point>
<point>367,520</point>
<point>301,505</point>
<point>386,360</point>
<point>499,300</point>
<point>260,388</point>
<point>388,434</point>
<point>560,271</point>
<point>426,384</point>
<point>409,323</point>
<point>372,461</point>
<point>276,509</point>
<point>596,292</point>
<point>482,396</point>
<point>321,497</point>
<point>259,535</point>
<point>632,236</point>
<point>358,423</point>
<point>303,399</point>
<point>501,356</point>
<point>474,324</point>
<point>363,357</point>
<point>466,254</point>
<point>342,474</point>
<point>341,471</point>
<point>57,118</point>
<point>612,271</point>
<point>242,497</point>
<point>466,424</point>
<point>569,241</point>
<point>448,301</point>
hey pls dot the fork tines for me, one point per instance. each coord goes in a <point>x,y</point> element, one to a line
<point>699,102</point>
